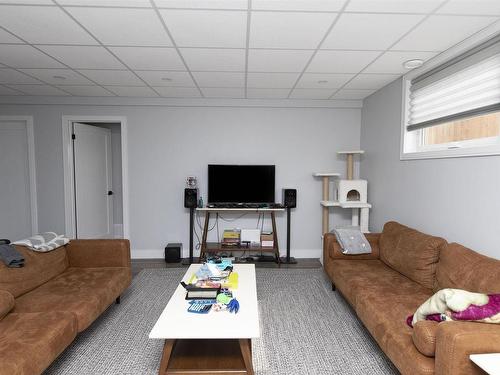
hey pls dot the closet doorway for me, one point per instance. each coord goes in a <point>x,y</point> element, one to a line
<point>94,171</point>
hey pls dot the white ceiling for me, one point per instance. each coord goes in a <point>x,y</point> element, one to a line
<point>267,49</point>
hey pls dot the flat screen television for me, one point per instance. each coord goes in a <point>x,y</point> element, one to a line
<point>241,183</point>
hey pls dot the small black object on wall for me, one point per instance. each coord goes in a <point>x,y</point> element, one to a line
<point>190,198</point>
<point>289,201</point>
<point>173,252</point>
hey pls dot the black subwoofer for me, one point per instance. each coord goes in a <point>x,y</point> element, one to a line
<point>173,252</point>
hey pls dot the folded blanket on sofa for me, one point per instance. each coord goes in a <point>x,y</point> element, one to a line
<point>43,242</point>
<point>352,240</point>
<point>10,256</point>
<point>458,304</point>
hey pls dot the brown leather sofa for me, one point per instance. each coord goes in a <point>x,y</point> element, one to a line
<point>404,269</point>
<point>58,294</point>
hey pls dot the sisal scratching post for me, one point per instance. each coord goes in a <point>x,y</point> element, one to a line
<point>326,197</point>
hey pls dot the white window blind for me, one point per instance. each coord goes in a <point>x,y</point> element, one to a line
<point>465,87</point>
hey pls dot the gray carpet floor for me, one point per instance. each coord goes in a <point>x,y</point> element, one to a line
<point>305,329</point>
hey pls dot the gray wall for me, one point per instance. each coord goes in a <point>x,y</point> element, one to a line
<point>456,198</point>
<point>167,144</point>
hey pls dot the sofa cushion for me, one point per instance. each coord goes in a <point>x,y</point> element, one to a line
<point>6,303</point>
<point>410,252</point>
<point>38,269</point>
<point>86,292</point>
<point>384,315</point>
<point>424,337</point>
<point>462,268</point>
<point>352,276</point>
<point>30,342</point>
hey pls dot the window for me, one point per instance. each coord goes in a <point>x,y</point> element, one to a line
<point>454,109</point>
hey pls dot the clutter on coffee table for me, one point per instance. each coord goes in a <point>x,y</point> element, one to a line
<point>211,288</point>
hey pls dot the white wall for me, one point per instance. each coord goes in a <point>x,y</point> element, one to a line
<point>167,144</point>
<point>456,198</point>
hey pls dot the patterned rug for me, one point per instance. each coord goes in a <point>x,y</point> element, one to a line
<point>305,329</point>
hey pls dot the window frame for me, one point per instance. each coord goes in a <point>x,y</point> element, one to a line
<point>409,147</point>
<point>411,141</point>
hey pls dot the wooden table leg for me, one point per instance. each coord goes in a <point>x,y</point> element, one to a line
<point>275,237</point>
<point>167,351</point>
<point>246,352</point>
<point>204,237</point>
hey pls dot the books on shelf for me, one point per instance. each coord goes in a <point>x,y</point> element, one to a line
<point>231,237</point>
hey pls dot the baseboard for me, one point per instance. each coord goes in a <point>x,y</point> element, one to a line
<point>160,253</point>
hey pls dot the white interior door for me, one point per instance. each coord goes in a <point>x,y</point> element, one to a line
<point>93,179</point>
<point>15,194</point>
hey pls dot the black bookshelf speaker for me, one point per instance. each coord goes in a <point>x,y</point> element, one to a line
<point>190,198</point>
<point>173,252</point>
<point>290,198</point>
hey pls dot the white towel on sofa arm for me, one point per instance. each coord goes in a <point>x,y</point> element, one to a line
<point>352,240</point>
<point>43,242</point>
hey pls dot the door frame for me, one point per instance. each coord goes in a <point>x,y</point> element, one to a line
<point>68,167</point>
<point>30,134</point>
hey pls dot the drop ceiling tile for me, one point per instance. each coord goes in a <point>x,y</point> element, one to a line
<point>299,5</point>
<point>323,80</point>
<point>5,91</point>
<point>83,57</point>
<point>272,80</point>
<point>476,7</point>
<point>203,4</point>
<point>353,94</point>
<point>311,93</point>
<point>15,77</point>
<point>86,90</point>
<point>43,25</point>
<point>438,33</point>
<point>166,78</point>
<point>371,81</point>
<point>234,93</point>
<point>393,6</point>
<point>219,79</point>
<point>108,3</point>
<point>369,31</point>
<point>129,27</point>
<point>113,77</point>
<point>58,76</point>
<point>39,90</point>
<point>392,61</point>
<point>146,58</point>
<point>277,60</point>
<point>214,59</point>
<point>209,28</point>
<point>133,91</point>
<point>24,56</point>
<point>6,37</point>
<point>341,61</point>
<point>31,2</point>
<point>288,30</point>
<point>178,92</point>
<point>267,93</point>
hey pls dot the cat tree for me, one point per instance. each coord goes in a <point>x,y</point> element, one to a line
<point>349,193</point>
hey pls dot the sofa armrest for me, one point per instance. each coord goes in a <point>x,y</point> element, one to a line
<point>332,248</point>
<point>6,303</point>
<point>455,341</point>
<point>99,253</point>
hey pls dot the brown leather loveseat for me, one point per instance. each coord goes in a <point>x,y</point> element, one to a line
<point>404,269</point>
<point>57,294</point>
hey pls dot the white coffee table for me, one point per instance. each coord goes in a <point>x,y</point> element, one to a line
<point>217,342</point>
